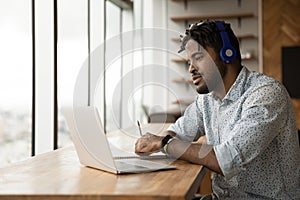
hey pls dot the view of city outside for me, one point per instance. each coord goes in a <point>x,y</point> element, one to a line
<point>15,80</point>
<point>16,69</point>
<point>72,53</point>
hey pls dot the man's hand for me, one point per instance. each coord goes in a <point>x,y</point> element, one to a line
<point>148,144</point>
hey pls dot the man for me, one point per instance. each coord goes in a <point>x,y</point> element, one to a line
<point>246,117</point>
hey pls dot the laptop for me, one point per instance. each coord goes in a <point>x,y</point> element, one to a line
<point>93,149</point>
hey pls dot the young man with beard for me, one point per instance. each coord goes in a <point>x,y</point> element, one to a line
<point>247,120</point>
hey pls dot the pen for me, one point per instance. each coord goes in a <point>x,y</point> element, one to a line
<point>140,130</point>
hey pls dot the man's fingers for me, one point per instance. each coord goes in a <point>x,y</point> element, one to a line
<point>147,143</point>
<point>140,145</point>
<point>141,148</point>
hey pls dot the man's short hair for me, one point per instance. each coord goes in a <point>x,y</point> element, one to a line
<point>207,34</point>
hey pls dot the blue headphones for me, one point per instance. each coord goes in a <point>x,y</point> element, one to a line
<point>227,52</point>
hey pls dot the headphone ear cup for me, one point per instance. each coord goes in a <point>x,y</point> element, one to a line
<point>227,54</point>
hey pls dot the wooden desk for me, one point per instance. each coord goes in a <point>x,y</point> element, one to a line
<point>59,175</point>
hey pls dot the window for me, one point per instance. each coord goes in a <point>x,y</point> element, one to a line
<point>114,69</point>
<point>43,46</point>
<point>82,29</point>
<point>72,52</point>
<point>15,80</point>
<point>115,110</point>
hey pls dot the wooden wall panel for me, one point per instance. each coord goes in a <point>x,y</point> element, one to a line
<point>281,27</point>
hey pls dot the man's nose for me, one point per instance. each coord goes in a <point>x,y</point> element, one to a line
<point>191,67</point>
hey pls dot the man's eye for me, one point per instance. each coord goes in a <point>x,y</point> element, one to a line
<point>188,62</point>
<point>198,58</point>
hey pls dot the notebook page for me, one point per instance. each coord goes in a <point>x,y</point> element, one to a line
<point>123,154</point>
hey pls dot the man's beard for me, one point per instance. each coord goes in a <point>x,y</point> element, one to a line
<point>202,90</point>
<point>215,84</point>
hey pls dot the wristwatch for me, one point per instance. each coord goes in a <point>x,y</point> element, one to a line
<point>165,142</point>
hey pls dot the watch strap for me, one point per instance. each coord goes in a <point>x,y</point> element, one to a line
<point>165,140</point>
<point>164,143</point>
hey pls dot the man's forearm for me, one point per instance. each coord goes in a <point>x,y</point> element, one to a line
<point>202,154</point>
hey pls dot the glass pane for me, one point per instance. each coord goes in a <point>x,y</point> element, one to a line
<point>113,73</point>
<point>15,80</point>
<point>72,52</point>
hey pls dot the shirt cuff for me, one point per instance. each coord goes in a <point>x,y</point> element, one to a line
<point>174,128</point>
<point>229,159</point>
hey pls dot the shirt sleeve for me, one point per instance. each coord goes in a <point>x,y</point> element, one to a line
<point>189,127</point>
<point>264,114</point>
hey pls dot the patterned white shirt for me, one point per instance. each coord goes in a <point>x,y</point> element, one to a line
<point>254,136</point>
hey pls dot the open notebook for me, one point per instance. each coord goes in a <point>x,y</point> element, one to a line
<point>93,148</point>
<point>121,154</point>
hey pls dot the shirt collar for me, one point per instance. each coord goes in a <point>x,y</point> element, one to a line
<point>237,89</point>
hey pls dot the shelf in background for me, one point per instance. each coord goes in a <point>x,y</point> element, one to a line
<point>187,0</point>
<point>246,36</point>
<point>176,39</point>
<point>179,60</point>
<point>247,58</point>
<point>184,102</point>
<point>240,37</point>
<point>182,80</point>
<point>203,17</point>
<point>182,60</point>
